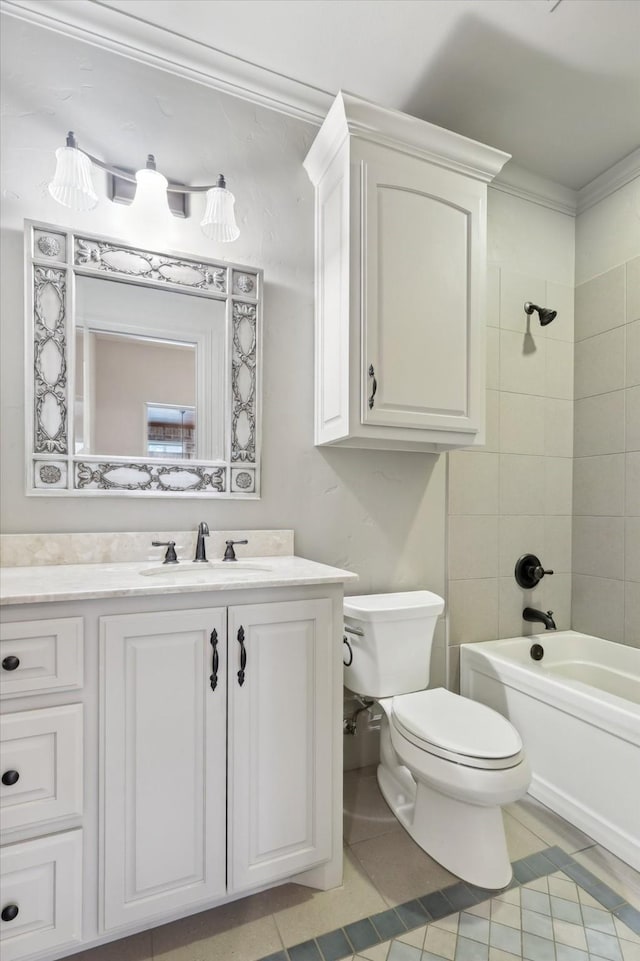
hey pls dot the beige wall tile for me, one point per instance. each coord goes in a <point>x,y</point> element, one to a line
<point>559,373</point>
<point>522,421</point>
<point>558,427</point>
<point>632,614</point>
<point>600,303</point>
<point>555,596</point>
<point>632,483</point>
<point>632,549</point>
<point>557,543</point>
<point>600,363</point>
<point>522,362</point>
<point>598,546</point>
<point>633,289</point>
<point>632,376</point>
<point>515,290</point>
<point>598,484</point>
<point>558,485</point>
<point>512,601</point>
<point>493,296</point>
<point>632,407</point>
<point>492,439</point>
<point>598,607</point>
<point>473,482</point>
<point>493,358</point>
<point>522,484</point>
<point>599,424</point>
<point>473,546</point>
<point>453,668</point>
<point>517,535</point>
<point>473,611</point>
<point>560,297</point>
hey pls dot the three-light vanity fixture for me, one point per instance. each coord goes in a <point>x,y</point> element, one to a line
<point>72,187</point>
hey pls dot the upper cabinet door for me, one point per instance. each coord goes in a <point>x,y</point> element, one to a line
<point>400,263</point>
<point>421,256</point>
<point>280,731</point>
<point>163,750</point>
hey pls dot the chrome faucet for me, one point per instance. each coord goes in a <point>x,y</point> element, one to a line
<point>201,554</point>
<point>530,614</point>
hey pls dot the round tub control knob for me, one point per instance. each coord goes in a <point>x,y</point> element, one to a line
<point>529,571</point>
<point>10,777</point>
<point>10,912</point>
<point>10,663</point>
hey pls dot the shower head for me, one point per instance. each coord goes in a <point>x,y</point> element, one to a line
<point>544,313</point>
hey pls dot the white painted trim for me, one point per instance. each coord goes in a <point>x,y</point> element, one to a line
<point>522,183</point>
<point>608,182</point>
<point>195,60</point>
<point>174,53</point>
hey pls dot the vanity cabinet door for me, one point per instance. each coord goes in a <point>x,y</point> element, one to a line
<point>279,791</point>
<point>163,762</point>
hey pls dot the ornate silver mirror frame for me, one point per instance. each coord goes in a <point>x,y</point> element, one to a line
<point>55,257</point>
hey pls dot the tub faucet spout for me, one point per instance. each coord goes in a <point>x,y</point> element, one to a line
<point>530,614</point>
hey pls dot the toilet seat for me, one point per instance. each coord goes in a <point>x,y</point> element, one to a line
<point>456,729</point>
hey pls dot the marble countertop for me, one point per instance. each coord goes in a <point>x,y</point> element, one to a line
<point>74,582</point>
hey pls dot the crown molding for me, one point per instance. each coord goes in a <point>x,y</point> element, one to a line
<point>129,36</point>
<point>522,183</point>
<point>608,182</point>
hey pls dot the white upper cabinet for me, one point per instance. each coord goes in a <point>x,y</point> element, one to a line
<point>400,280</point>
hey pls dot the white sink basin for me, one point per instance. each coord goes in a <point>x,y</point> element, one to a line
<point>212,568</point>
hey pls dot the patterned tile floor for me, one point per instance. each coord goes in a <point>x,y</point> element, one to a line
<point>548,913</point>
<point>397,904</point>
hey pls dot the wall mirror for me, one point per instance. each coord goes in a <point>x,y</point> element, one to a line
<point>143,370</point>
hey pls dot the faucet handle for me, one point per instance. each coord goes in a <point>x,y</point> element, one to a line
<point>170,556</point>
<point>230,554</point>
<point>529,571</point>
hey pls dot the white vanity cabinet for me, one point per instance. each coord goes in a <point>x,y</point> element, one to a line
<point>280,697</point>
<point>178,745</point>
<point>400,280</point>
<point>42,786</point>
<point>176,763</point>
<point>163,761</point>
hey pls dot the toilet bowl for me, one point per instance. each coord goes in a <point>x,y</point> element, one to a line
<point>447,763</point>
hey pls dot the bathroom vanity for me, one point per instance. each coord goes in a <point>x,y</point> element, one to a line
<point>170,742</point>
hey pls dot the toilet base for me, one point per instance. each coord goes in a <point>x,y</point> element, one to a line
<point>464,838</point>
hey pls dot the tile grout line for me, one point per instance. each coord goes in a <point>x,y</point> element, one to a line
<point>541,864</point>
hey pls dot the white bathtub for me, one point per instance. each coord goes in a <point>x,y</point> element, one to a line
<point>578,714</point>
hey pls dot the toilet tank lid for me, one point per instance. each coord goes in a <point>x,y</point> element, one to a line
<point>399,606</point>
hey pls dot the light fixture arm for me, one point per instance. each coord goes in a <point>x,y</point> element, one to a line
<point>151,164</point>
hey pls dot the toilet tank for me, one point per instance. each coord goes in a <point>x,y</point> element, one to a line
<point>392,653</point>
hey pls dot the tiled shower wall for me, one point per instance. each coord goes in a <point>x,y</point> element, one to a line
<point>514,495</point>
<point>606,526</point>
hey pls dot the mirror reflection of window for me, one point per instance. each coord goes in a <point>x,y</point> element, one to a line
<point>171,431</point>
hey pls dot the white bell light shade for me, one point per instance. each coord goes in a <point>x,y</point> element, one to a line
<point>71,185</point>
<point>150,202</point>
<point>219,222</point>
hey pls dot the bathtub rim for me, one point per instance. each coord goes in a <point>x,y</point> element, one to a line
<point>570,696</point>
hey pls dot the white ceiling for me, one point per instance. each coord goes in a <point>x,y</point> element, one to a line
<point>556,84</point>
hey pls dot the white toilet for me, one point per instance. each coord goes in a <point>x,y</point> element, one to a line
<point>447,763</point>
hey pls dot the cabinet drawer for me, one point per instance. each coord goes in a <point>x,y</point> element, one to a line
<point>42,883</point>
<point>41,656</point>
<point>41,765</point>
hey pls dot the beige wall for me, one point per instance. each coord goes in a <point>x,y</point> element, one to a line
<point>377,513</point>
<point>606,524</point>
<point>514,496</point>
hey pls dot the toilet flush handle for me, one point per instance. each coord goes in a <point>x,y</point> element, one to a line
<point>350,649</point>
<point>358,633</point>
